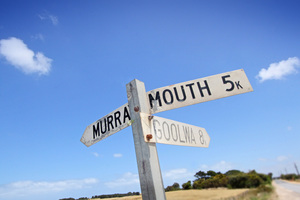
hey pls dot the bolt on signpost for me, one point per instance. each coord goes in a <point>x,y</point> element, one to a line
<point>149,130</point>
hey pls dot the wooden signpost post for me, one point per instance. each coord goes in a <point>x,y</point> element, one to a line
<point>146,154</point>
<point>148,129</point>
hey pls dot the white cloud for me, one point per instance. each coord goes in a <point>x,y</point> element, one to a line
<point>128,179</point>
<point>180,176</point>
<point>204,167</point>
<point>20,56</point>
<point>16,52</point>
<point>28,188</point>
<point>38,37</point>
<point>96,154</point>
<point>118,155</point>
<point>263,159</point>
<point>222,166</point>
<point>282,158</point>
<point>47,16</point>
<point>279,70</point>
<point>176,174</point>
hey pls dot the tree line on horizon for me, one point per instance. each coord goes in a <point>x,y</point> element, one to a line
<point>104,196</point>
<point>232,179</point>
<point>289,176</point>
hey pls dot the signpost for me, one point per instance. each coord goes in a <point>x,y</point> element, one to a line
<point>146,154</point>
<point>168,131</point>
<point>148,129</point>
<point>198,91</point>
<point>106,126</point>
<point>171,97</point>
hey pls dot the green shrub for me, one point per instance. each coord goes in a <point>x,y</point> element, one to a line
<point>265,188</point>
<point>289,176</point>
<point>231,179</point>
<point>270,175</point>
<point>187,185</point>
<point>267,179</point>
<point>233,172</point>
<point>222,180</point>
<point>253,181</point>
<point>237,181</point>
<point>169,188</point>
<point>210,183</point>
<point>219,180</point>
<point>174,187</point>
<point>197,184</point>
<point>67,198</point>
<point>250,180</point>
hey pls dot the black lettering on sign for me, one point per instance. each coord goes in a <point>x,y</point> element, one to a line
<point>99,127</point>
<point>109,122</point>
<point>96,132</point>
<point>157,98</point>
<point>238,85</point>
<point>103,128</point>
<point>203,88</point>
<point>170,96</point>
<point>228,81</point>
<point>126,115</point>
<point>191,89</point>
<point>183,94</point>
<point>117,118</point>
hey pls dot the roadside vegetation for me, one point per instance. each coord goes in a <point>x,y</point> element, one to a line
<point>259,185</point>
<point>290,177</point>
<point>232,179</point>
<point>105,196</point>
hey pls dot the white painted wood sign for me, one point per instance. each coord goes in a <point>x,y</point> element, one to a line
<point>106,126</point>
<point>159,130</point>
<point>171,97</point>
<point>198,91</point>
<point>166,131</point>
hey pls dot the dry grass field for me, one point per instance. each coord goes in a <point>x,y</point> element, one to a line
<point>209,194</point>
<point>297,181</point>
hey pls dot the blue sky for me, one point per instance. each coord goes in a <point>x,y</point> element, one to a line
<point>65,64</point>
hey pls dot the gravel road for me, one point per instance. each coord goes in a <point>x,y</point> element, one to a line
<point>287,190</point>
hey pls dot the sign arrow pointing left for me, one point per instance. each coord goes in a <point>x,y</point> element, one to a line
<point>106,126</point>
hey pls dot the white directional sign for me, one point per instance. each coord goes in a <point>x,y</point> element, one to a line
<point>198,91</point>
<point>171,97</point>
<point>168,131</point>
<point>106,126</point>
<point>159,130</point>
